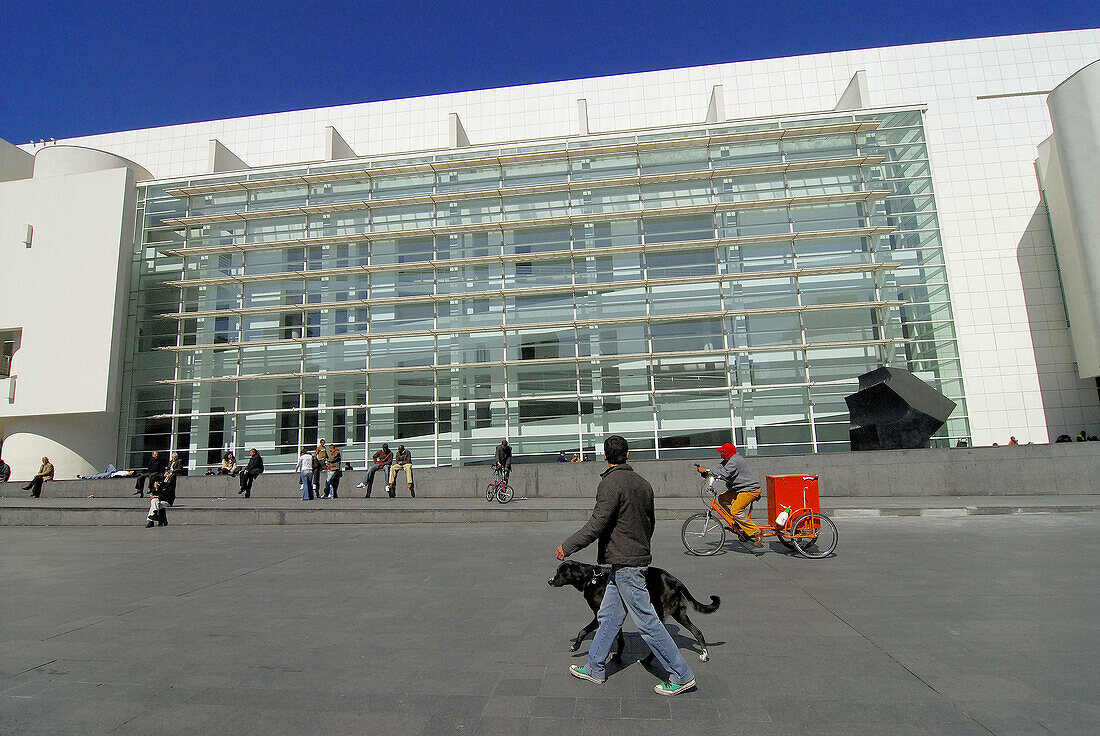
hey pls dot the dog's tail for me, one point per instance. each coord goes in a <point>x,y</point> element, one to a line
<point>711,607</point>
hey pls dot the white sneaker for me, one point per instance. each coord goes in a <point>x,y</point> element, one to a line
<point>360,485</point>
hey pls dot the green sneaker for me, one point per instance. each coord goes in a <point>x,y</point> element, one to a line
<point>671,688</point>
<point>581,673</point>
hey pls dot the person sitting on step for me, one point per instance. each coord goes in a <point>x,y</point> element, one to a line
<point>45,473</point>
<point>402,461</point>
<point>163,493</point>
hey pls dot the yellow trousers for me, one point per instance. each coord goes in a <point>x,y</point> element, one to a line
<point>407,467</point>
<point>739,507</point>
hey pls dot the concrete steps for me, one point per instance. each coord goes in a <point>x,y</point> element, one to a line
<point>255,511</point>
<point>1059,469</point>
<point>998,480</point>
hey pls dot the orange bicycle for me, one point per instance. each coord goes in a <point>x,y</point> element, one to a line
<point>805,530</point>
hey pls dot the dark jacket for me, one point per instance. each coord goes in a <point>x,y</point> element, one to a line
<point>157,465</point>
<point>255,464</point>
<point>334,459</point>
<point>5,472</point>
<point>166,491</point>
<point>504,455</point>
<point>622,520</point>
<point>404,457</point>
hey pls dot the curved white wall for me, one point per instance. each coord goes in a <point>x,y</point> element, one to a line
<point>1069,167</point>
<point>62,160</point>
<point>81,443</point>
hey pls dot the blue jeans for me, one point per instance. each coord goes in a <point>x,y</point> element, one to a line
<point>333,483</point>
<point>369,480</point>
<point>626,591</point>
<point>307,485</point>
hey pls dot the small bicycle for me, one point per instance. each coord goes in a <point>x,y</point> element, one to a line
<point>806,530</point>
<point>499,490</point>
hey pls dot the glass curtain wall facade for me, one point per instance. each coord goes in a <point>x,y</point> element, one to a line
<point>679,286</point>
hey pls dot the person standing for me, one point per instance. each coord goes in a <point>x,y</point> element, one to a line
<point>504,458</point>
<point>45,473</point>
<point>155,469</point>
<point>403,460</point>
<point>320,467</point>
<point>334,472</point>
<point>742,488</point>
<point>382,459</point>
<point>623,521</point>
<point>254,468</point>
<point>304,469</point>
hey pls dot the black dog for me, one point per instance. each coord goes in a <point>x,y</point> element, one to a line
<point>670,598</point>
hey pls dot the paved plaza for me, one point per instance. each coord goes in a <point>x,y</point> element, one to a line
<point>922,625</point>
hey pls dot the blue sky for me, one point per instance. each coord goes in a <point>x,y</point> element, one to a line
<point>81,67</point>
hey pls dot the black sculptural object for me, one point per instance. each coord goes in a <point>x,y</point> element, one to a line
<point>895,410</point>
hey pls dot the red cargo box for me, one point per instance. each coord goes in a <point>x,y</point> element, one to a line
<point>796,491</point>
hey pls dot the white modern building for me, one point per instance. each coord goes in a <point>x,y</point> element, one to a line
<point>681,257</point>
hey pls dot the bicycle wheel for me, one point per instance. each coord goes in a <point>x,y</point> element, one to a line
<point>784,541</point>
<point>505,493</point>
<point>703,534</point>
<point>491,492</point>
<point>813,535</point>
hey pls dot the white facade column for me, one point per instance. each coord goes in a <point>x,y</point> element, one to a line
<point>65,300</point>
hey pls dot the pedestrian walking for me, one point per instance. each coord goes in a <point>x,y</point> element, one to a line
<point>622,522</point>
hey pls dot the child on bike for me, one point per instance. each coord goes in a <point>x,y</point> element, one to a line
<point>742,488</point>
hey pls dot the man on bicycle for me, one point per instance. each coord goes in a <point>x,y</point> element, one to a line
<point>504,459</point>
<point>742,488</point>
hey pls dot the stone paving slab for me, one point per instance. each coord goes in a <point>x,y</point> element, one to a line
<point>962,625</point>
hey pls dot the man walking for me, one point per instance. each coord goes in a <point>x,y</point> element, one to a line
<point>623,521</point>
